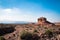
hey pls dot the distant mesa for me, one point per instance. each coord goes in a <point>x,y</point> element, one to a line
<point>43,22</point>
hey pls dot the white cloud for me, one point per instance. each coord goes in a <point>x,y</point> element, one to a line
<point>15,14</point>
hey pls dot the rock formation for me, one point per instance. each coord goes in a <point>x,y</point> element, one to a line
<point>43,22</point>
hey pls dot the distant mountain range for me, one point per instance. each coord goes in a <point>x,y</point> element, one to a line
<point>14,22</point>
<point>57,23</point>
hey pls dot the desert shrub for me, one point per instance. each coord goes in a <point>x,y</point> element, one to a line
<point>1,38</point>
<point>49,33</point>
<point>59,29</point>
<point>29,36</point>
<point>35,30</point>
<point>35,37</point>
<point>26,35</point>
<point>39,27</point>
<point>45,27</point>
<point>27,26</point>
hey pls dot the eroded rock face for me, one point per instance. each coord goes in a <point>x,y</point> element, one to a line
<point>43,22</point>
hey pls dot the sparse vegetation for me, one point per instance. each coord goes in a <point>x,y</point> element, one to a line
<point>49,33</point>
<point>59,29</point>
<point>35,31</point>
<point>29,36</point>
<point>45,27</point>
<point>1,38</point>
<point>26,36</point>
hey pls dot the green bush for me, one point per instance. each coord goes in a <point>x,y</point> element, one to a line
<point>45,27</point>
<point>35,30</point>
<point>1,38</point>
<point>29,36</point>
<point>35,37</point>
<point>49,33</point>
<point>26,35</point>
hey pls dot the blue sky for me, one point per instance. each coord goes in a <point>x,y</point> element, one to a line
<point>29,10</point>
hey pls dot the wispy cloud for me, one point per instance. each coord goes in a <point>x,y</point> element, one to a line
<point>15,14</point>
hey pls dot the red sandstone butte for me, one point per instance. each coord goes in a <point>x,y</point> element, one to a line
<point>43,22</point>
